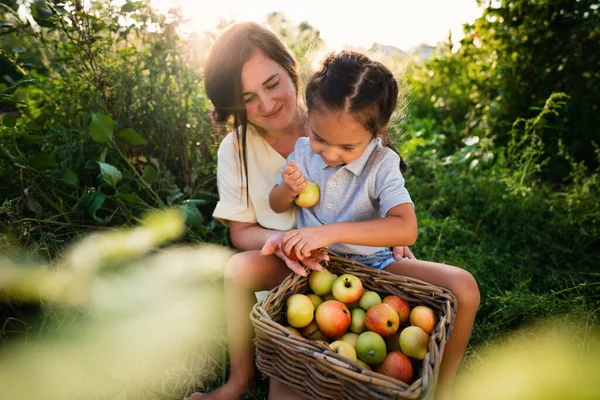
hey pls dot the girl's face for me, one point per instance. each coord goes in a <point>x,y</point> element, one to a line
<point>269,93</point>
<point>337,137</point>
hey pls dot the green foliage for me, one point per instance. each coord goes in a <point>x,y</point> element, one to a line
<point>104,121</point>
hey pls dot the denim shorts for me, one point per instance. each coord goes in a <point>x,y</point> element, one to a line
<point>378,260</point>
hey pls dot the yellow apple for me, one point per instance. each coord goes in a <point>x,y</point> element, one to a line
<point>349,337</point>
<point>364,365</point>
<point>293,330</point>
<point>300,310</point>
<point>309,196</point>
<point>343,349</point>
<point>414,342</point>
<point>311,331</point>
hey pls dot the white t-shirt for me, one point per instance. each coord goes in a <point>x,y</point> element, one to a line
<point>264,164</point>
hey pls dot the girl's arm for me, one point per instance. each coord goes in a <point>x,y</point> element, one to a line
<point>397,228</point>
<point>281,197</point>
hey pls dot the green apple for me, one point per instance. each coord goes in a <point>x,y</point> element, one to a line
<point>300,310</point>
<point>347,288</point>
<point>370,347</point>
<point>368,299</point>
<point>309,196</point>
<point>343,349</point>
<point>321,282</point>
<point>357,320</point>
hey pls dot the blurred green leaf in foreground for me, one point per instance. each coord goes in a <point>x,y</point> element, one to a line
<point>140,315</point>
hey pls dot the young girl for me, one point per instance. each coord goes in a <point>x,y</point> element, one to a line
<point>364,208</point>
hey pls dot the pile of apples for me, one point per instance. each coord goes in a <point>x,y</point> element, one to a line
<point>382,335</point>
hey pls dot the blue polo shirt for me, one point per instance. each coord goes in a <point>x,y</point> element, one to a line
<point>365,189</point>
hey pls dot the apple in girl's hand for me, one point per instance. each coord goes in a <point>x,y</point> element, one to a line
<point>423,317</point>
<point>333,318</point>
<point>398,366</point>
<point>370,347</point>
<point>309,196</point>
<point>320,282</point>
<point>300,310</point>
<point>347,288</point>
<point>343,349</point>
<point>400,305</point>
<point>382,318</point>
<point>368,299</point>
<point>414,342</point>
<point>357,321</point>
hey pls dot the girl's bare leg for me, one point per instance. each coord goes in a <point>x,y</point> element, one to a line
<point>245,273</point>
<point>462,284</point>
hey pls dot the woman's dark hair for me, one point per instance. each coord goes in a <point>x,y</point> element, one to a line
<point>351,82</point>
<point>223,75</point>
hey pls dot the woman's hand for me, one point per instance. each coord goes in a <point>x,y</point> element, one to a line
<point>403,253</point>
<point>274,245</point>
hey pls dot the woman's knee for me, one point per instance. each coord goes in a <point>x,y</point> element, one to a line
<point>466,290</point>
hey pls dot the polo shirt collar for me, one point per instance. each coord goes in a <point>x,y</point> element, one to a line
<point>357,166</point>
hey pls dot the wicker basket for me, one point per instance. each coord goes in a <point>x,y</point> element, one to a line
<point>316,372</point>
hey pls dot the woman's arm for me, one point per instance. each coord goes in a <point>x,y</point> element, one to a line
<point>397,228</point>
<point>249,236</point>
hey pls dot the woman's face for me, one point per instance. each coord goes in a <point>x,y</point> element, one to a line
<point>337,137</point>
<point>269,93</point>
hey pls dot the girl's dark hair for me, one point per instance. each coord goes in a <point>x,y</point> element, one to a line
<point>351,82</point>
<point>223,75</point>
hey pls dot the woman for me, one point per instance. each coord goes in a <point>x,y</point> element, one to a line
<point>251,77</point>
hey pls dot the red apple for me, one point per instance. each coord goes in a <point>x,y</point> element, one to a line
<point>400,305</point>
<point>424,318</point>
<point>333,318</point>
<point>398,366</point>
<point>347,288</point>
<point>382,318</point>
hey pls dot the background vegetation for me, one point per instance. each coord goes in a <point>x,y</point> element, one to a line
<point>104,119</point>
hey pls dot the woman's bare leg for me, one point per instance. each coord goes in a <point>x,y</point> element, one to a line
<point>245,273</point>
<point>462,284</point>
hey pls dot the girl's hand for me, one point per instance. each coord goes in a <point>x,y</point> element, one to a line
<point>305,241</point>
<point>403,253</point>
<point>293,178</point>
<point>273,245</point>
